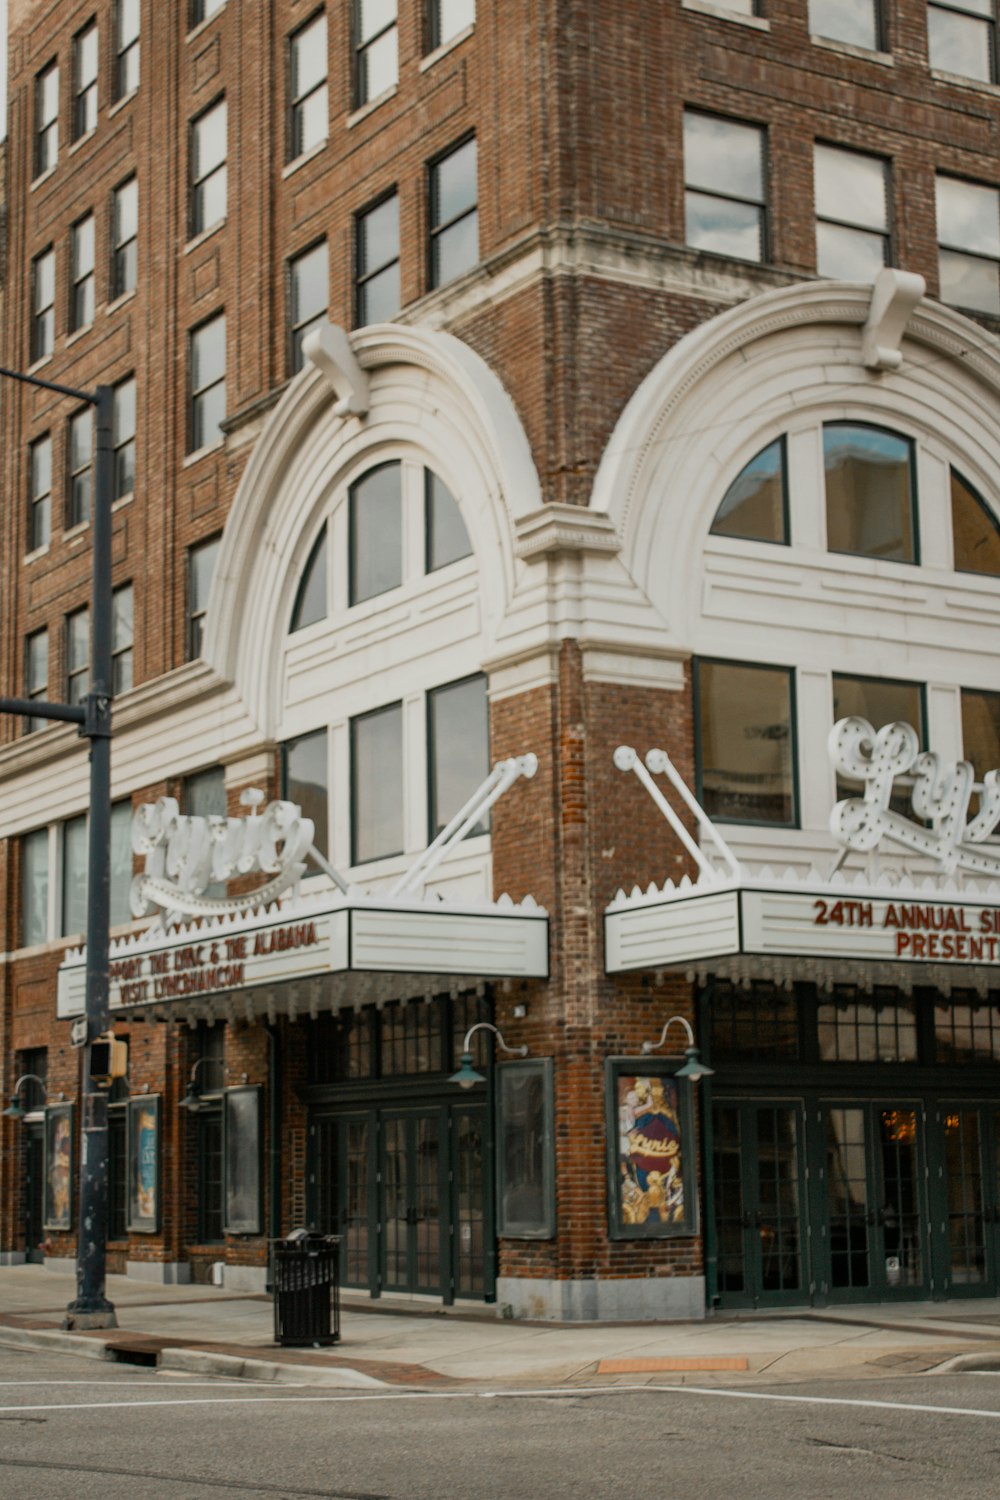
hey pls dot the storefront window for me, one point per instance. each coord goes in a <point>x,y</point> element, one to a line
<point>867,1028</point>
<point>967,1029</point>
<point>757,1022</point>
<point>412,1038</point>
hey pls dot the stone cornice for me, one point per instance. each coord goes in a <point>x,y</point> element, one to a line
<point>564,528</point>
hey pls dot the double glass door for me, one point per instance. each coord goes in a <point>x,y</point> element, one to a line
<point>758,1188</point>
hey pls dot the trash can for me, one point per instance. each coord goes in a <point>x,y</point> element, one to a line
<point>307,1289</point>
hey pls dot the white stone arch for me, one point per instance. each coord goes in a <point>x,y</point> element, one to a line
<point>429,395</point>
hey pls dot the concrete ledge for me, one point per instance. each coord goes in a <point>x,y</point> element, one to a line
<point>659,1299</point>
<point>245,1278</point>
<point>207,1362</point>
<point>159,1272</point>
<point>12,1258</point>
<point>53,1340</point>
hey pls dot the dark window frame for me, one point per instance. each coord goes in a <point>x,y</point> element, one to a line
<point>82,283</point>
<point>195,631</point>
<point>436,230</point>
<point>78,514</point>
<point>45,151</point>
<point>911,443</point>
<point>944,244</point>
<point>74,674</point>
<point>888,235</point>
<point>122,650</point>
<point>363,278</point>
<point>785,540</point>
<point>195,394</point>
<point>123,447</point>
<point>355,720</point>
<point>123,273</point>
<point>43,317</point>
<point>85,91</point>
<point>296,102</point>
<point>125,51</point>
<point>39,500</point>
<point>430,742</point>
<point>197,180</point>
<point>360,48</point>
<point>791,674</point>
<point>764,203</point>
<point>36,689</point>
<point>949,7</point>
<point>297,328</point>
<point>352,600</point>
<point>433,30</point>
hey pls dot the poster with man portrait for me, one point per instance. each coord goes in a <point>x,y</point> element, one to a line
<point>59,1166</point>
<point>651,1174</point>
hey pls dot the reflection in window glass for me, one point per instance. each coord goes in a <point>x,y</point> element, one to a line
<point>724,182</point>
<point>454,213</point>
<point>968,220</point>
<point>869,492</point>
<point>306,781</point>
<point>447,539</point>
<point>376,533</point>
<point>981,730</point>
<point>377,784</point>
<point>35,887</point>
<point>307,86</point>
<point>376,49</point>
<point>744,739</point>
<point>754,507</point>
<point>310,601</point>
<point>974,529</point>
<point>866,1028</point>
<point>524,1110</point>
<point>121,862</point>
<point>74,877</point>
<point>881,702</point>
<point>852,21</point>
<point>308,296</point>
<point>967,1030</point>
<point>201,566</point>
<point>960,38</point>
<point>754,1023</point>
<point>203,795</point>
<point>458,750</point>
<point>377,261</point>
<point>852,214</point>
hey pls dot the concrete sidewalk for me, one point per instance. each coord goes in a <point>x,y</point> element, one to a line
<point>394,1342</point>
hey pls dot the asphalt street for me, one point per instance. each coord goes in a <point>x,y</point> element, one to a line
<point>72,1430</point>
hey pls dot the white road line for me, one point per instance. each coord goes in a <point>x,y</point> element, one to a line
<point>87,1384</point>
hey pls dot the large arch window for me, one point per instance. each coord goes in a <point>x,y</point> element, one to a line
<point>755,506</point>
<point>446,538</point>
<point>870,492</point>
<point>974,530</point>
<point>376,533</point>
<point>311,599</point>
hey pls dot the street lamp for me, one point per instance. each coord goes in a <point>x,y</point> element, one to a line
<point>15,1109</point>
<point>91,1308</point>
<point>467,1077</point>
<point>694,1068</point>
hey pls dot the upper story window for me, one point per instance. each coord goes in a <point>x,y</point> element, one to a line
<point>208,168</point>
<point>449,17</point>
<point>974,530</point>
<point>201,562</point>
<point>305,780</point>
<point>458,755</point>
<point>755,506</point>
<point>853,21</point>
<point>454,213</point>
<point>981,730</point>
<point>208,383</point>
<point>311,596</point>
<point>85,81</point>
<point>75,868</point>
<point>376,49</point>
<point>376,289</point>
<point>81,452</point>
<point>35,887</point>
<point>309,112</point>
<point>202,9</point>
<point>46,119</point>
<point>122,639</point>
<point>126,47</point>
<point>724,197</point>
<point>377,784</point>
<point>870,492</point>
<point>40,493</point>
<point>745,742</point>
<point>308,298</point>
<point>43,304</point>
<point>852,214</point>
<point>81,299</point>
<point>968,220</point>
<point>77,655</point>
<point>961,38</point>
<point>446,537</point>
<point>880,701</point>
<point>124,237</point>
<point>376,533</point>
<point>36,674</point>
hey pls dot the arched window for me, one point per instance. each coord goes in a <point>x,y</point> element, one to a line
<point>974,530</point>
<point>755,506</point>
<point>310,599</point>
<point>376,533</point>
<point>870,492</point>
<point>445,533</point>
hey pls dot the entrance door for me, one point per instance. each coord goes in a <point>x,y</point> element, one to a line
<point>34,1192</point>
<point>759,1203</point>
<point>964,1212</point>
<point>414,1228</point>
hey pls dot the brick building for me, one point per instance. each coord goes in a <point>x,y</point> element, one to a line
<point>509,384</point>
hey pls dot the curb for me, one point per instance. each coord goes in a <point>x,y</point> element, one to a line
<point>53,1340</point>
<point>967,1364</point>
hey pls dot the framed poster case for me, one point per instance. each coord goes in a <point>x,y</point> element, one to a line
<point>144,1164</point>
<point>241,1156</point>
<point>652,1179</point>
<point>59,1162</point>
<point>526,1191</point>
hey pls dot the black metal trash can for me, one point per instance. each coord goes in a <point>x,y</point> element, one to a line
<point>307,1289</point>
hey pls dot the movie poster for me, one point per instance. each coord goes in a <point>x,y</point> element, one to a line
<point>59,1166</point>
<point>651,1177</point>
<point>144,1164</point>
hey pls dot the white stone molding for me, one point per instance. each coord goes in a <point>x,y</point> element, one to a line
<point>329,349</point>
<point>894,296</point>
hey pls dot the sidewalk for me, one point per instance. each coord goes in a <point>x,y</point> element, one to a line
<point>203,1329</point>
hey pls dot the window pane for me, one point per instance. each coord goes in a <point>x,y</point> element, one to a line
<point>974,530</point>
<point>310,601</point>
<point>378,236</point>
<point>745,742</point>
<point>126,211</point>
<point>869,492</point>
<point>724,227</point>
<point>880,702</point>
<point>456,249</point>
<point>451,17</point>
<point>378,297</point>
<point>378,67</point>
<point>854,21</point>
<point>723,156</point>
<point>122,639</point>
<point>959,44</point>
<point>308,57</point>
<point>121,862</point>
<point>309,122</point>
<point>202,567</point>
<point>376,533</point>
<point>74,877</point>
<point>306,782</point>
<point>78,640</point>
<point>454,183</point>
<point>377,784</point>
<point>374,16</point>
<point>981,731</point>
<point>849,254</point>
<point>210,140</point>
<point>35,887</point>
<point>447,537</point>
<point>309,284</point>
<point>458,730</point>
<point>968,282</point>
<point>968,216</point>
<point>850,187</point>
<point>753,507</point>
<point>208,354</point>
<point>204,794</point>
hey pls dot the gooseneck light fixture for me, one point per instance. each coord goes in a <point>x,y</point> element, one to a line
<point>694,1068</point>
<point>15,1109</point>
<point>467,1077</point>
<point>194,1100</point>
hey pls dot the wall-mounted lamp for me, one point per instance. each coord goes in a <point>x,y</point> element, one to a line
<point>694,1068</point>
<point>15,1109</point>
<point>467,1076</point>
<point>194,1100</point>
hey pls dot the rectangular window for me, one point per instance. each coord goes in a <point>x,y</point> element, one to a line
<point>309,113</point>
<point>208,168</point>
<point>35,887</point>
<point>305,780</point>
<point>448,18</point>
<point>454,214</point>
<point>85,81</point>
<point>121,862</point>
<point>968,219</point>
<point>376,51</point>
<point>881,702</point>
<point>203,795</point>
<point>36,674</point>
<point>122,640</point>
<point>81,440</point>
<point>81,295</point>
<point>123,438</point>
<point>724,197</point>
<point>308,297</point>
<point>73,912</point>
<point>375,528</point>
<point>853,21</point>
<point>46,119</point>
<point>376,295</point>
<point>126,47</point>
<point>208,383</point>
<point>40,492</point>
<point>43,304</point>
<point>852,214</point>
<point>981,731</point>
<point>745,742</point>
<point>458,749</point>
<point>77,656</point>
<point>124,238</point>
<point>961,38</point>
<point>201,566</point>
<point>377,784</point>
<point>202,9</point>
<point>870,478</point>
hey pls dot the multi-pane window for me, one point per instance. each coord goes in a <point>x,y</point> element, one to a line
<point>122,640</point>
<point>724,186</point>
<point>376,533</point>
<point>311,596</point>
<point>36,674</point>
<point>446,538</point>
<point>85,81</point>
<point>968,220</point>
<point>123,438</point>
<point>124,237</point>
<point>377,784</point>
<point>745,742</point>
<point>208,382</point>
<point>73,913</point>
<point>43,304</point>
<point>755,1022</point>
<point>870,492</point>
<point>308,297</point>
<point>77,656</point>
<point>974,530</point>
<point>308,111</point>
<point>961,38</point>
<point>126,47</point>
<point>46,119</point>
<point>376,51</point>
<point>201,566</point>
<point>305,778</point>
<point>454,214</point>
<point>35,887</point>
<point>866,1028</point>
<point>852,214</point>
<point>202,9</point>
<point>458,749</point>
<point>40,492</point>
<point>81,294</point>
<point>448,18</point>
<point>853,21</point>
<point>208,168</point>
<point>755,506</point>
<point>377,261</point>
<point>80,453</point>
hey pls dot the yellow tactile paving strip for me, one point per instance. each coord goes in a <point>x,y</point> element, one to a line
<point>642,1366</point>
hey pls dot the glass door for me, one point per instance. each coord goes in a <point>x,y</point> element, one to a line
<point>414,1229</point>
<point>964,1215</point>
<point>759,1203</point>
<point>343,1190</point>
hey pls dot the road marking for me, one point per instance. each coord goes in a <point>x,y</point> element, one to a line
<point>189,1384</point>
